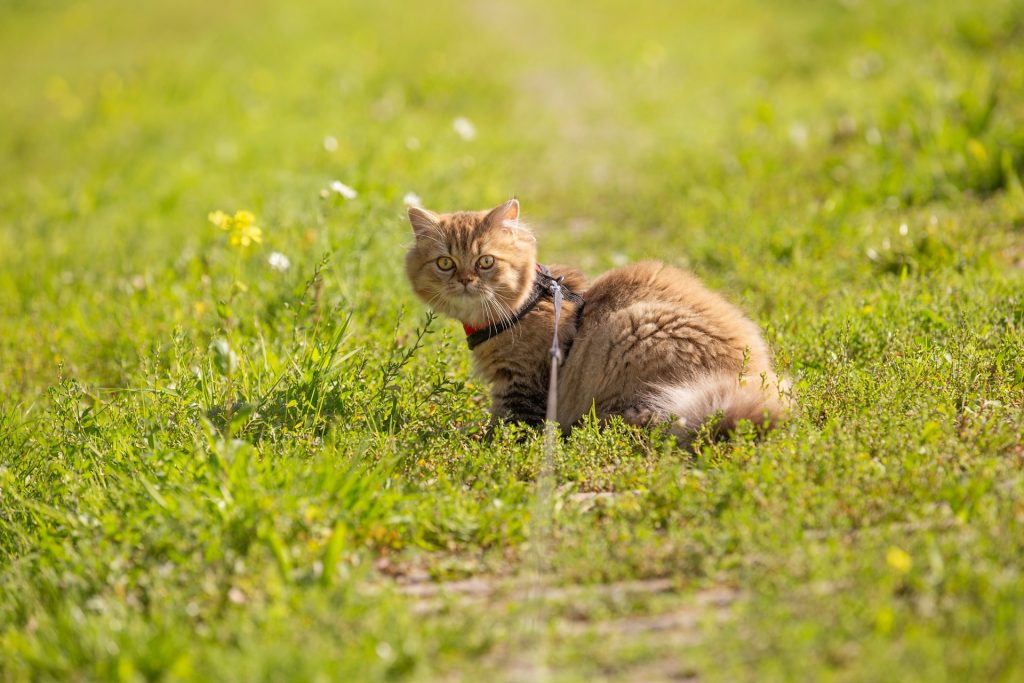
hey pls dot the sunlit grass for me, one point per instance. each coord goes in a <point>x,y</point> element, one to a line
<point>234,446</point>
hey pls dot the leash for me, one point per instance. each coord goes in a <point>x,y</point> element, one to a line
<point>542,522</point>
<point>555,286</point>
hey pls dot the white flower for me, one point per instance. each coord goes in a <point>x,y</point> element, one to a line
<point>798,134</point>
<point>331,143</point>
<point>464,128</point>
<point>278,261</point>
<point>412,199</point>
<point>385,651</point>
<point>343,189</point>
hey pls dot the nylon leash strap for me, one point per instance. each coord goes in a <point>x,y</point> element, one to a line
<point>556,352</point>
<point>541,539</point>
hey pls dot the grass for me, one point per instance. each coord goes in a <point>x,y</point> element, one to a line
<point>210,469</point>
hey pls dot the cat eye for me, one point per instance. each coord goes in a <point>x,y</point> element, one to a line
<point>485,261</point>
<point>445,263</point>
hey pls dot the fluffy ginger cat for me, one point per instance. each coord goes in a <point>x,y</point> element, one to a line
<point>646,342</point>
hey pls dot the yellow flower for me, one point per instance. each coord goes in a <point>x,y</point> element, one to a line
<point>898,559</point>
<point>244,218</point>
<point>977,149</point>
<point>220,219</point>
<point>242,232</point>
<point>243,236</point>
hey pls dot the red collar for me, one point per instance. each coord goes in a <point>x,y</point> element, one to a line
<point>471,330</point>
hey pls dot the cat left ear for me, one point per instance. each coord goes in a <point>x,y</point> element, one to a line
<point>423,222</point>
<point>506,215</point>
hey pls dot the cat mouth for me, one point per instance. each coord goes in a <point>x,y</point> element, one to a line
<point>467,293</point>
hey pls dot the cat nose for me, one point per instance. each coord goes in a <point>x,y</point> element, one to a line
<point>465,279</point>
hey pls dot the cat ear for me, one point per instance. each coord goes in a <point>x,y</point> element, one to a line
<point>506,218</point>
<point>506,213</point>
<point>423,222</point>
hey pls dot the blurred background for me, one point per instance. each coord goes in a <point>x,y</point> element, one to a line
<point>755,142</point>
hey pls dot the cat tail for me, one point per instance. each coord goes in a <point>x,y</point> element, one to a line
<point>720,402</point>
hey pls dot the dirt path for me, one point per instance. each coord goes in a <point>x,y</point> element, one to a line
<point>654,621</point>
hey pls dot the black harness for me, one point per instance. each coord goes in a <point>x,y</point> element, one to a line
<point>544,285</point>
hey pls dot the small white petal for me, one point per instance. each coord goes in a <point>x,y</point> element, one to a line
<point>464,128</point>
<point>412,199</point>
<point>798,134</point>
<point>331,143</point>
<point>343,189</point>
<point>279,261</point>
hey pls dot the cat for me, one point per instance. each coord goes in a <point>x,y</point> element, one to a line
<point>646,342</point>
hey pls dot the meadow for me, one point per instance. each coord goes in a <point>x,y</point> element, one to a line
<point>229,459</point>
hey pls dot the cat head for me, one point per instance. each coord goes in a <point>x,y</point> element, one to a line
<point>475,266</point>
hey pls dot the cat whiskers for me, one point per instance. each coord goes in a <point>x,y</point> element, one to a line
<point>485,303</point>
<point>504,312</point>
<point>490,310</point>
<point>438,295</point>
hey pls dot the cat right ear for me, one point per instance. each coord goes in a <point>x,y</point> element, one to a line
<point>505,215</point>
<point>423,222</point>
